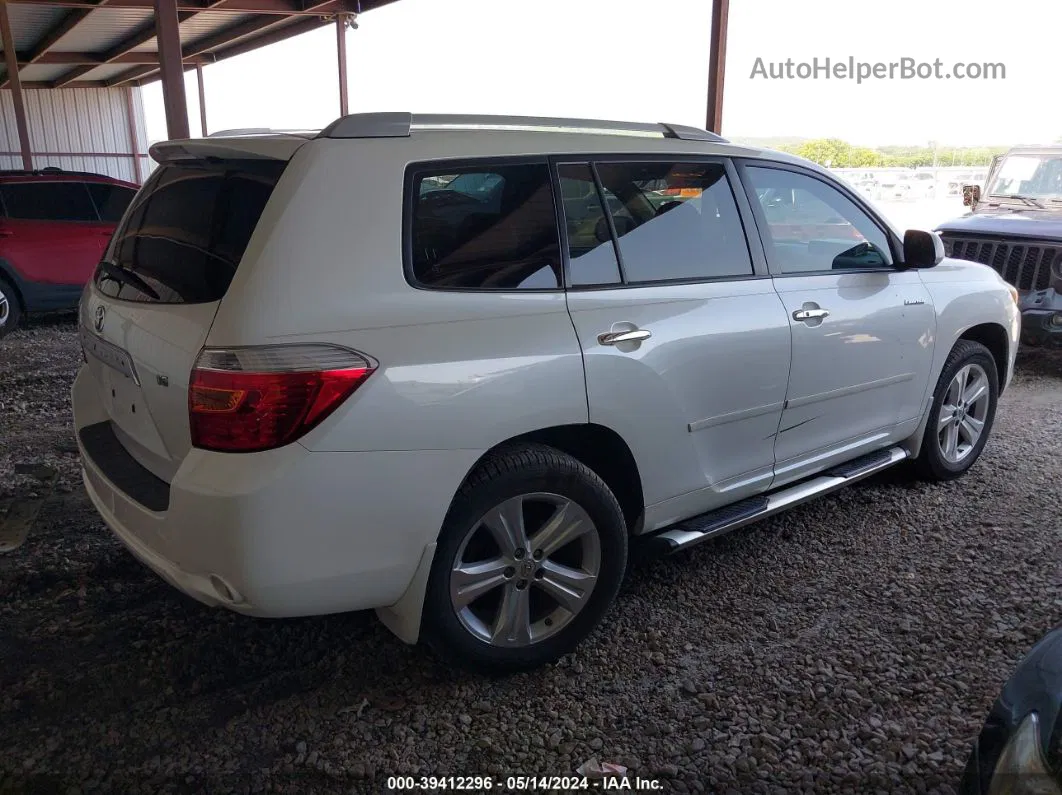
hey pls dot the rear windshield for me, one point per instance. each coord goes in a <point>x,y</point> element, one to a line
<point>185,233</point>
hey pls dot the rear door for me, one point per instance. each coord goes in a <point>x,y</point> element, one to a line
<point>50,232</point>
<point>685,343</point>
<point>148,311</point>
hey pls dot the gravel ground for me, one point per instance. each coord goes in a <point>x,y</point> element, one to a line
<point>854,644</point>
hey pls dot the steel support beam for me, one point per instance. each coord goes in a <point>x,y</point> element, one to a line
<point>134,146</point>
<point>8,42</point>
<point>341,50</point>
<point>173,96</point>
<point>281,7</point>
<point>98,59</point>
<point>202,101</point>
<point>717,65</point>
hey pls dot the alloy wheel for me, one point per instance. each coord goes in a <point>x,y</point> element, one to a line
<point>525,569</point>
<point>963,413</point>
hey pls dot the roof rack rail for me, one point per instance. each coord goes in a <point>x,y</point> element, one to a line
<point>239,131</point>
<point>37,172</point>
<point>400,125</point>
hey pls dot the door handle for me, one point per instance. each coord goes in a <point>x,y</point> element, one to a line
<point>6,233</point>
<point>615,337</point>
<point>810,314</point>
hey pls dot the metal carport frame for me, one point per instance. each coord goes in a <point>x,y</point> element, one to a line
<point>52,44</point>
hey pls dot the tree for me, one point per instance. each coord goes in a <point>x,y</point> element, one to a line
<point>836,153</point>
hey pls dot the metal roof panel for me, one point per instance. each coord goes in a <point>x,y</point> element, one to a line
<point>105,72</point>
<point>29,23</point>
<point>39,73</point>
<point>103,29</point>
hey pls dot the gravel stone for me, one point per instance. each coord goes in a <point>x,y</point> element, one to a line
<point>854,644</point>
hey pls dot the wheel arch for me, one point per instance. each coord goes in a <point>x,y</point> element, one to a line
<point>602,450</point>
<point>8,274</point>
<point>994,337</point>
<point>598,447</point>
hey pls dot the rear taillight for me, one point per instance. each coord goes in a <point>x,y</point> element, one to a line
<point>242,400</point>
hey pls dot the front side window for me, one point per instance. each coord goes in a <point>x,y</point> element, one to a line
<point>484,228</point>
<point>47,201</point>
<point>674,221</point>
<point>812,226</point>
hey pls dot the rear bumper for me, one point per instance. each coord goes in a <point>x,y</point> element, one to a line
<point>282,533</point>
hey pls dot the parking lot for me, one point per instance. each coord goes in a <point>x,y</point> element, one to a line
<point>853,644</point>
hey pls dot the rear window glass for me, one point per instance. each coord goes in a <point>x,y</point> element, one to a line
<point>491,227</point>
<point>47,201</point>
<point>186,232</point>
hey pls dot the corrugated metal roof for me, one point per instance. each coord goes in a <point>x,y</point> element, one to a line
<point>103,28</point>
<point>30,22</point>
<point>40,72</point>
<point>105,72</point>
<point>208,23</point>
<point>202,26</point>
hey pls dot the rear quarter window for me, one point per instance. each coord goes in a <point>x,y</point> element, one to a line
<point>111,200</point>
<point>482,227</point>
<point>186,231</point>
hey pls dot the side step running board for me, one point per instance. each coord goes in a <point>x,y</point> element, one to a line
<point>715,523</point>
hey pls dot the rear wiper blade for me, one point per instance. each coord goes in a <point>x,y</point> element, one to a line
<point>123,275</point>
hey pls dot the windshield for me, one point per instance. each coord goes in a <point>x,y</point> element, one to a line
<point>1035,176</point>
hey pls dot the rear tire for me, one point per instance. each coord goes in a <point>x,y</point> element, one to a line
<point>529,559</point>
<point>962,413</point>
<point>10,308</point>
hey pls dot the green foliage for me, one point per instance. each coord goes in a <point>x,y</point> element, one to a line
<point>840,154</point>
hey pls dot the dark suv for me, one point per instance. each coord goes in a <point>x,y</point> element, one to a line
<point>54,226</point>
<point>1015,226</point>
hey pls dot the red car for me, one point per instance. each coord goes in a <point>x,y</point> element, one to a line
<point>54,226</point>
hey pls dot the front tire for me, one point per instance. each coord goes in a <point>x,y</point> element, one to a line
<point>10,309</point>
<point>530,557</point>
<point>962,413</point>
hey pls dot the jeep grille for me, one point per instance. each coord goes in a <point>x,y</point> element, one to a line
<point>1025,264</point>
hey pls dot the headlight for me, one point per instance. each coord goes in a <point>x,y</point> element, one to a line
<point>1021,769</point>
<point>1014,296</point>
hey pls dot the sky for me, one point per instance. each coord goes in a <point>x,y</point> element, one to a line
<point>640,61</point>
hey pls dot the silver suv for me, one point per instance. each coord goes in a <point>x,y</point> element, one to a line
<point>446,367</point>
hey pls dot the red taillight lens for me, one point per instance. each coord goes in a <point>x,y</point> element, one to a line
<point>242,400</point>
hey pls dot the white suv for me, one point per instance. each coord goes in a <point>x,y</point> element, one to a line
<point>445,367</point>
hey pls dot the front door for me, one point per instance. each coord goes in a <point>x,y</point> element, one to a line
<point>685,345</point>
<point>862,329</point>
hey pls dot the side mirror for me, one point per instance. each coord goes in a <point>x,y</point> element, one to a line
<point>922,249</point>
<point>971,194</point>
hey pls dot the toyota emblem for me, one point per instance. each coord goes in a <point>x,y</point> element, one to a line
<point>101,314</point>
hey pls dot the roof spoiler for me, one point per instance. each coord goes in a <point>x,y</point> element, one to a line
<point>276,147</point>
<point>401,125</point>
